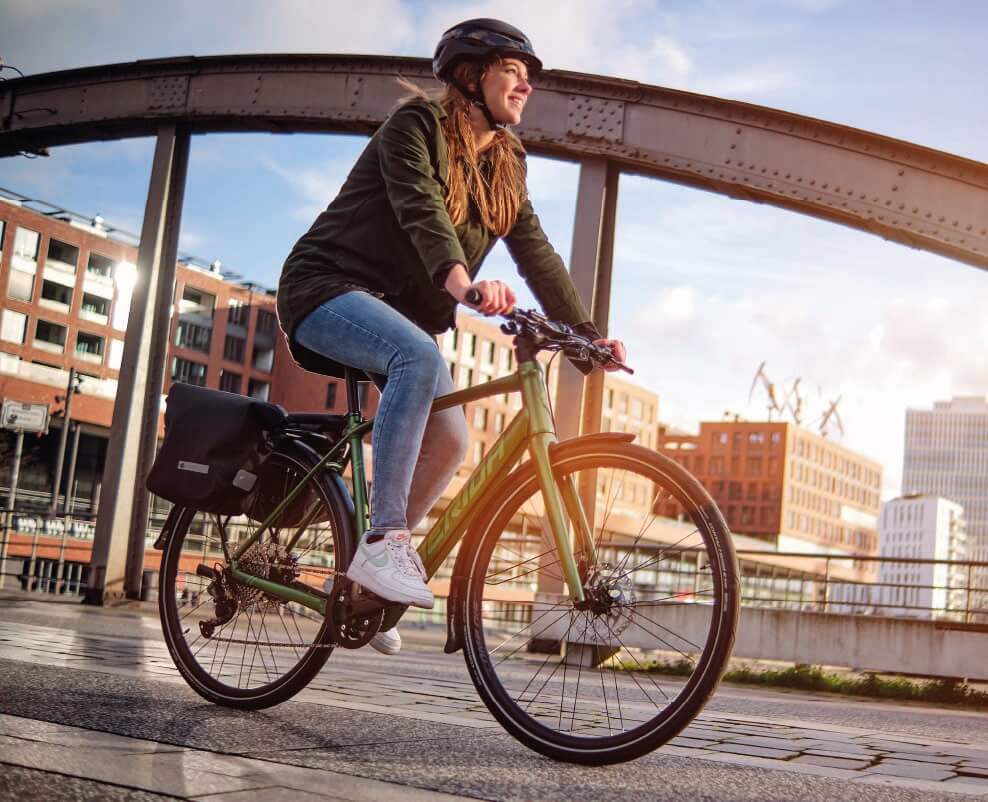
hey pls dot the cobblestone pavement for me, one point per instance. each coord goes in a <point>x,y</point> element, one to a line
<point>78,685</point>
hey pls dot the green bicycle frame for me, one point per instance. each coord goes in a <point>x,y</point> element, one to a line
<point>532,429</point>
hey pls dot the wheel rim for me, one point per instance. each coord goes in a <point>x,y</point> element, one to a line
<point>647,606</point>
<point>265,641</point>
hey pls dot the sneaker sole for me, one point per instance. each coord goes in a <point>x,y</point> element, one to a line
<point>367,580</point>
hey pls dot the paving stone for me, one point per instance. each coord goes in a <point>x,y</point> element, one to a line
<point>755,751</point>
<point>866,757</point>
<point>916,757</point>
<point>915,771</point>
<point>281,794</point>
<point>691,743</point>
<point>832,762</point>
<point>969,785</point>
<point>755,740</point>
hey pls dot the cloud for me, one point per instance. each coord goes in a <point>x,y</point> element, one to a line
<point>315,186</point>
<point>672,54</point>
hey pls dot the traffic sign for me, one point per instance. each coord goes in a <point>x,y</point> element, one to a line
<point>17,415</point>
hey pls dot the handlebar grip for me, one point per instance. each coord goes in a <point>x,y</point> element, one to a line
<point>473,296</point>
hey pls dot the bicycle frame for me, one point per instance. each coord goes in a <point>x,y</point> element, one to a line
<point>532,430</point>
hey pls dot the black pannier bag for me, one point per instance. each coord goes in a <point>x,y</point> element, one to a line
<point>213,448</point>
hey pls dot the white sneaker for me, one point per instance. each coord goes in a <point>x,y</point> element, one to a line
<point>387,642</point>
<point>391,568</point>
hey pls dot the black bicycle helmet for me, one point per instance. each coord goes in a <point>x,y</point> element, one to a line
<point>477,39</point>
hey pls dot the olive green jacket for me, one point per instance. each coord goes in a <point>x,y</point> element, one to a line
<point>388,232</point>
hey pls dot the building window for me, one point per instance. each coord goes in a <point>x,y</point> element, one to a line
<point>194,336</point>
<point>196,302</point>
<point>20,286</point>
<point>754,466</point>
<point>498,422</point>
<point>89,345</point>
<point>735,491</point>
<point>488,352</point>
<point>230,382</point>
<point>56,293</point>
<point>480,418</point>
<point>363,394</point>
<point>99,265</point>
<point>189,372</point>
<point>50,336</point>
<point>756,438</point>
<point>331,395</point>
<point>14,326</point>
<point>238,314</point>
<point>26,244</point>
<point>95,307</point>
<point>478,452</point>
<point>466,377</point>
<point>716,465</point>
<point>637,408</point>
<point>266,322</point>
<point>507,360</point>
<point>233,348</point>
<point>62,255</point>
<point>469,344</point>
<point>259,389</point>
<point>262,358</point>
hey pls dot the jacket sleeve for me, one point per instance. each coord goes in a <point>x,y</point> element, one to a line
<point>415,194</point>
<point>543,268</point>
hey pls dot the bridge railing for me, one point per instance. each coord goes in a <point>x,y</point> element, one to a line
<point>51,553</point>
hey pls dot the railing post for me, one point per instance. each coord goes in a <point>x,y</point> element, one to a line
<point>967,604</point>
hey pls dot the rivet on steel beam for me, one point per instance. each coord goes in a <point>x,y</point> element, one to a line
<point>738,131</point>
<point>902,172</point>
<point>733,147</point>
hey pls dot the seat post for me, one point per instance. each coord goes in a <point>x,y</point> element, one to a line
<point>352,397</point>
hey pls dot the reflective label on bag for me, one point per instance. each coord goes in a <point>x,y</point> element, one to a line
<point>195,467</point>
<point>244,480</point>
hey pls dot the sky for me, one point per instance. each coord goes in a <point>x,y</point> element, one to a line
<point>705,288</point>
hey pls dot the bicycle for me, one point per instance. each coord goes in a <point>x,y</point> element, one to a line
<point>565,568</point>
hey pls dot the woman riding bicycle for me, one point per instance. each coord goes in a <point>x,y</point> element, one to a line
<point>382,269</point>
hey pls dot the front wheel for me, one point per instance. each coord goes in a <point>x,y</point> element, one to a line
<point>614,677</point>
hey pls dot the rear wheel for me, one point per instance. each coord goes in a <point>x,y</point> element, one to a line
<point>620,674</point>
<point>234,644</point>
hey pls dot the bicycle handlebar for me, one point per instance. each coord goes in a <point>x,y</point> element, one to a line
<point>551,335</point>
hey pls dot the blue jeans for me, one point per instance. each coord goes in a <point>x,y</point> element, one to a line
<point>415,454</point>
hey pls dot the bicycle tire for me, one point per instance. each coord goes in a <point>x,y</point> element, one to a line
<point>184,598</point>
<point>504,537</point>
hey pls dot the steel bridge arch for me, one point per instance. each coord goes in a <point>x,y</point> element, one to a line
<point>903,192</point>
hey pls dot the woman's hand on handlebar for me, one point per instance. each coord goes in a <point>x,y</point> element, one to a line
<point>487,297</point>
<point>617,349</point>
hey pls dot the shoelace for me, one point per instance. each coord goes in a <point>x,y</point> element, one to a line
<point>407,559</point>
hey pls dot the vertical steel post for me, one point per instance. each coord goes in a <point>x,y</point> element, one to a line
<point>139,390</point>
<point>588,226</point>
<point>160,340</point>
<point>15,471</point>
<point>63,438</point>
<point>67,507</point>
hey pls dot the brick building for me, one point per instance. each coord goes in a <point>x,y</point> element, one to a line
<point>782,483</point>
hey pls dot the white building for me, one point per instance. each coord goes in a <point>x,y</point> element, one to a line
<point>946,454</point>
<point>921,527</point>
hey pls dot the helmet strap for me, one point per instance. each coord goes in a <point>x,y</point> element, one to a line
<point>477,99</point>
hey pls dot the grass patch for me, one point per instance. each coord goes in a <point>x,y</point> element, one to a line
<point>814,678</point>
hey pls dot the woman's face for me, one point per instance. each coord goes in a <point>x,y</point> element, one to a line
<point>506,89</point>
